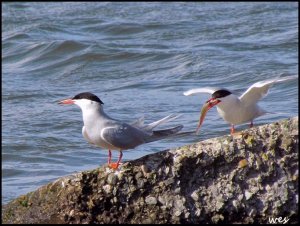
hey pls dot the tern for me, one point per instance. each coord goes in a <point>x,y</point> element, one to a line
<point>233,109</point>
<point>103,131</point>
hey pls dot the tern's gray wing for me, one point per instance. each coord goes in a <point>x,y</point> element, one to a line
<point>209,90</point>
<point>123,136</point>
<point>260,89</point>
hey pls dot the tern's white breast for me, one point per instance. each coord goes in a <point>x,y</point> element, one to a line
<point>233,111</point>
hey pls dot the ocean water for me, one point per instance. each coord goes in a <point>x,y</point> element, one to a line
<point>138,58</point>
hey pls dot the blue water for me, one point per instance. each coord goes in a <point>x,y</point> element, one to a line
<point>138,58</point>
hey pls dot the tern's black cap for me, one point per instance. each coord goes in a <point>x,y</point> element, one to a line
<point>89,96</point>
<point>221,93</point>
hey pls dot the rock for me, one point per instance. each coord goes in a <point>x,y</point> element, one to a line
<point>248,195</point>
<point>107,188</point>
<point>112,179</point>
<point>150,200</point>
<point>195,196</point>
<point>245,178</point>
<point>217,218</point>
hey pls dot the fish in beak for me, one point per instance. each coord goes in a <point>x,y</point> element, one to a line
<point>208,105</point>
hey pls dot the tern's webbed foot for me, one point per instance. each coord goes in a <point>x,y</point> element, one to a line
<point>113,165</point>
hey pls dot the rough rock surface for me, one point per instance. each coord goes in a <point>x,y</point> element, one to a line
<point>245,178</point>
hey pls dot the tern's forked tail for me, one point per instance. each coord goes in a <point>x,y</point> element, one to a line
<point>161,134</point>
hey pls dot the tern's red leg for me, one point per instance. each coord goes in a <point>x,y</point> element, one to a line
<point>115,165</point>
<point>232,129</point>
<point>109,157</point>
<point>251,124</point>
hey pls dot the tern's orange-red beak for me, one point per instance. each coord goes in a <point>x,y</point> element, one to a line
<point>208,105</point>
<point>67,101</point>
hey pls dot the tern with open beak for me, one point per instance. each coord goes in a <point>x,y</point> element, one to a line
<point>103,131</point>
<point>233,109</point>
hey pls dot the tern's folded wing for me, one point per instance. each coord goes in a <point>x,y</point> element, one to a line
<point>123,136</point>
